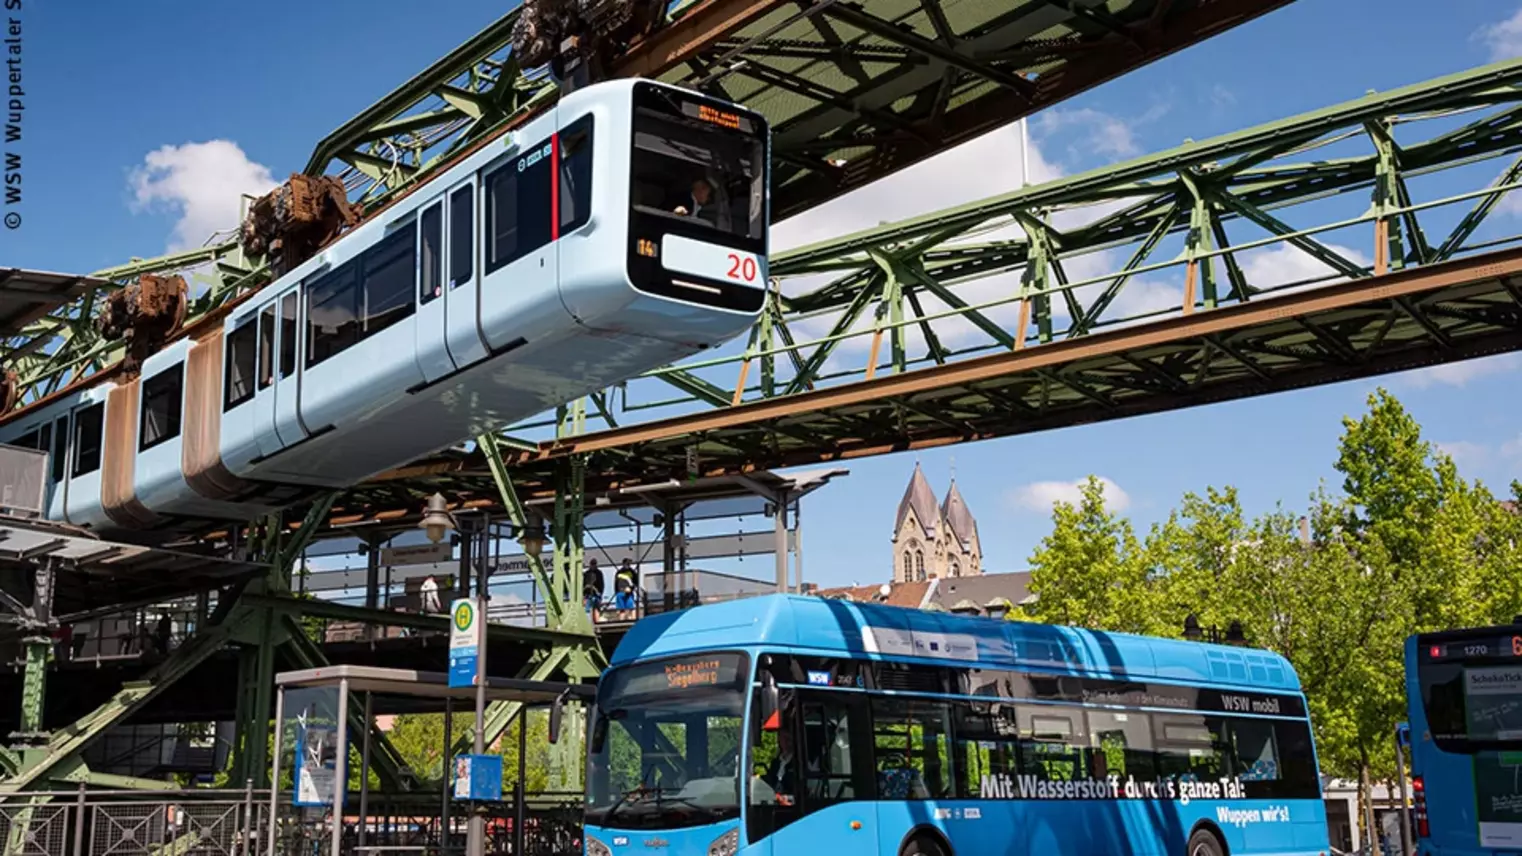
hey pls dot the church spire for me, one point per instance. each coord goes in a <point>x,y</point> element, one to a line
<point>919,497</point>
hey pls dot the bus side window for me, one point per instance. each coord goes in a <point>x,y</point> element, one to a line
<point>987,747</point>
<point>1054,744</point>
<point>912,739</point>
<point>1122,744</point>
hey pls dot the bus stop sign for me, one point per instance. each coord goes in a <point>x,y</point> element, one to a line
<point>465,639</point>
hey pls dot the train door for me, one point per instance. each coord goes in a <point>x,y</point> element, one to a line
<point>461,251</point>
<point>58,469</point>
<point>288,425</point>
<point>519,278</point>
<point>432,297</point>
<point>264,382</point>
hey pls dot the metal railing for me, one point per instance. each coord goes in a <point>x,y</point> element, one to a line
<point>87,822</point>
<point>204,822</point>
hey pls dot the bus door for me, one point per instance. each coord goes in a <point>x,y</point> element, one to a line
<point>813,787</point>
<point>461,277</point>
<point>288,425</point>
<point>432,300</point>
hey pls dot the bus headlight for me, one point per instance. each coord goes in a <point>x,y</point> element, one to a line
<point>597,848</point>
<point>724,845</point>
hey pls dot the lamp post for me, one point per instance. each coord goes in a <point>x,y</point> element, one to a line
<point>1195,633</point>
<point>437,522</point>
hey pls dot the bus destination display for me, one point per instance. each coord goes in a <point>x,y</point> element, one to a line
<point>1504,647</point>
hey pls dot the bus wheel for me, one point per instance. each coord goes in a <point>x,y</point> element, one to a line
<point>1204,843</point>
<point>922,846</point>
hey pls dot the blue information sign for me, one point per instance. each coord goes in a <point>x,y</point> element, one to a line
<point>465,638</point>
<point>478,778</point>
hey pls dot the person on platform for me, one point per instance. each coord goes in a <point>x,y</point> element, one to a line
<point>430,596</point>
<point>592,588</point>
<point>625,584</point>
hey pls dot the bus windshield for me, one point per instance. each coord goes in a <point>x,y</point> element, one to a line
<point>698,164</point>
<point>665,746</point>
<point>1471,689</point>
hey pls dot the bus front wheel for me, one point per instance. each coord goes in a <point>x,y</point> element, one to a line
<point>922,846</point>
<point>1204,843</point>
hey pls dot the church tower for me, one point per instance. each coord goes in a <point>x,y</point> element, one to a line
<point>930,541</point>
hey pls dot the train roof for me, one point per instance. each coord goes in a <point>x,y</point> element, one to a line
<point>836,626</point>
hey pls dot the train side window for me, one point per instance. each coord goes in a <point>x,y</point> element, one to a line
<point>267,346</point>
<point>462,232</point>
<point>431,274</point>
<point>163,395</point>
<point>386,290</point>
<point>332,316</point>
<point>518,204</point>
<point>288,334</point>
<point>60,447</point>
<point>238,382</point>
<point>87,438</point>
<point>576,174</point>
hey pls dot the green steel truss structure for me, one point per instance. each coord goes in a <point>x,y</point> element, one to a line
<point>1372,236</point>
<point>853,91</point>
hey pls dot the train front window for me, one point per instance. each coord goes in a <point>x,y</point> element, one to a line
<point>698,164</point>
<point>665,747</point>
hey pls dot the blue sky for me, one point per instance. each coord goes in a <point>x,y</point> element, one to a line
<point>132,152</point>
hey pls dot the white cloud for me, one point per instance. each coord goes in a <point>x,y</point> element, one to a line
<point>1041,496</point>
<point>1276,265</point>
<point>1462,372</point>
<point>1504,39</point>
<point>202,182</point>
<point>1464,453</point>
<point>945,181</point>
<point>1512,448</point>
<point>1104,134</point>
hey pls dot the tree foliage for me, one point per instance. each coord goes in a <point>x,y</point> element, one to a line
<point>1406,546</point>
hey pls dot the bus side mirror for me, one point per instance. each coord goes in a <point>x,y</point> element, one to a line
<point>771,705</point>
<point>557,713</point>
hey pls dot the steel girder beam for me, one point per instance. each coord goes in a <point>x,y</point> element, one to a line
<point>1248,349</point>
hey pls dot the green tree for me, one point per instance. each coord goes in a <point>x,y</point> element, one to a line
<point>1409,546</point>
<point>1092,571</point>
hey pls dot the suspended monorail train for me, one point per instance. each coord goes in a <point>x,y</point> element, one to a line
<point>618,231</point>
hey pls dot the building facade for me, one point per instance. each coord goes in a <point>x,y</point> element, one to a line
<point>934,541</point>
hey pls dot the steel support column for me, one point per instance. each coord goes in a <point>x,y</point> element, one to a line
<point>37,645</point>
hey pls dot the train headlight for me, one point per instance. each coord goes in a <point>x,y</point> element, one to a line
<point>597,848</point>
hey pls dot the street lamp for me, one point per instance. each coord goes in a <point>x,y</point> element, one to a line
<point>437,519</point>
<point>1194,632</point>
<point>531,536</point>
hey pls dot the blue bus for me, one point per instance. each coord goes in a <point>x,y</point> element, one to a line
<point>1464,700</point>
<point>788,725</point>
